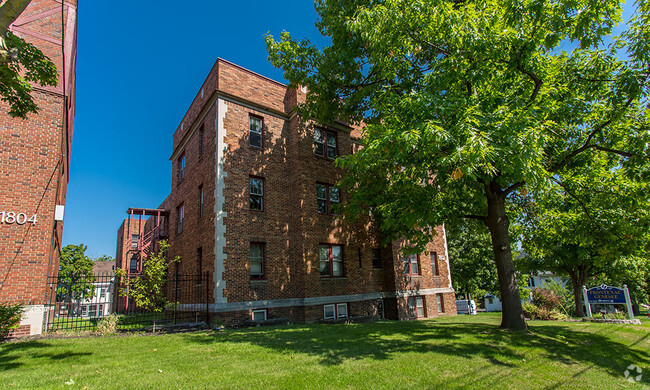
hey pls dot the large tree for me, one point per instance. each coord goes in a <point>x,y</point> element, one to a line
<point>467,103</point>
<point>21,63</point>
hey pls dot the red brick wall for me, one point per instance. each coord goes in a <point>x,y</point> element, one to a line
<point>35,157</point>
<point>290,225</point>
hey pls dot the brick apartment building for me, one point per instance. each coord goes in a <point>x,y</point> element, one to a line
<point>34,161</point>
<point>254,202</point>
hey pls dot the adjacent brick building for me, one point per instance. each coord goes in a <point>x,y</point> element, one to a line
<point>254,202</point>
<point>34,161</point>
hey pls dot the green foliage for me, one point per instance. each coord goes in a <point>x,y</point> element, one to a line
<point>565,296</point>
<point>545,305</point>
<point>10,315</point>
<point>105,258</point>
<point>147,289</point>
<point>30,66</point>
<point>633,271</point>
<point>468,106</point>
<point>108,324</point>
<point>471,260</point>
<point>76,276</point>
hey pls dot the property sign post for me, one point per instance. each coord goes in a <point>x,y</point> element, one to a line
<point>607,295</point>
<point>585,298</point>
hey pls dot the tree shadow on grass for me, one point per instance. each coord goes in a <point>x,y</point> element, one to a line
<point>11,352</point>
<point>335,344</point>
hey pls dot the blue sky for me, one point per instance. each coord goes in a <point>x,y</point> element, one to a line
<point>139,65</point>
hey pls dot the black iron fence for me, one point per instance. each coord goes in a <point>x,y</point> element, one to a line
<point>79,305</point>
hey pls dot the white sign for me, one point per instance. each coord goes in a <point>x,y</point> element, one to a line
<point>11,217</point>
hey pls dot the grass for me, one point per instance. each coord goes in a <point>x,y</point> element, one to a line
<point>126,322</point>
<point>450,352</point>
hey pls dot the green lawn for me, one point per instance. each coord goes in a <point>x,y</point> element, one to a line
<point>452,352</point>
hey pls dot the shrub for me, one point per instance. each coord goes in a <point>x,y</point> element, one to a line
<point>10,315</point>
<point>546,298</point>
<point>108,324</point>
<point>530,310</point>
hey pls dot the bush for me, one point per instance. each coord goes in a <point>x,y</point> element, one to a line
<point>10,315</point>
<point>546,298</point>
<point>108,324</point>
<point>530,310</point>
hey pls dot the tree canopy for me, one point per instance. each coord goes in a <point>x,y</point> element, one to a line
<point>75,273</point>
<point>21,63</point>
<point>466,104</point>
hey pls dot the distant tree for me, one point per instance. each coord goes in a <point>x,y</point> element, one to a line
<point>594,224</point>
<point>105,258</point>
<point>76,276</point>
<point>466,104</point>
<point>471,260</point>
<point>147,288</point>
<point>20,63</point>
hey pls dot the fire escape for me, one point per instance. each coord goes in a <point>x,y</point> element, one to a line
<point>153,226</point>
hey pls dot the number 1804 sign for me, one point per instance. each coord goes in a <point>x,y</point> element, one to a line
<point>11,217</point>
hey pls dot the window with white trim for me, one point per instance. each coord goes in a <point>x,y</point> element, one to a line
<point>416,307</point>
<point>434,263</point>
<point>181,167</point>
<point>325,143</point>
<point>257,260</point>
<point>441,303</point>
<point>331,260</point>
<point>256,194</point>
<point>327,198</point>
<point>411,265</point>
<point>255,126</point>
<point>334,311</point>
<point>181,216</point>
<point>259,315</point>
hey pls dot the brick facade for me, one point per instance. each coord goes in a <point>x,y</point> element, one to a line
<point>35,156</point>
<point>213,155</point>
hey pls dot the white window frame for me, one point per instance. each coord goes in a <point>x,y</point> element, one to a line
<point>336,310</point>
<point>257,312</point>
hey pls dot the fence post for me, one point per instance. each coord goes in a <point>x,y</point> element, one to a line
<point>175,293</point>
<point>207,297</point>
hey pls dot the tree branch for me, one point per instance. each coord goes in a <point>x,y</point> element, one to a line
<point>513,187</point>
<point>587,144</point>
<point>476,217</point>
<point>9,12</point>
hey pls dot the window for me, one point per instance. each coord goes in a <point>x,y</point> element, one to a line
<point>181,215</point>
<point>256,194</point>
<point>257,260</point>
<point>133,265</point>
<point>376,258</point>
<point>181,167</point>
<point>441,303</point>
<point>201,201</point>
<point>134,240</point>
<point>255,125</point>
<point>411,264</point>
<point>434,263</point>
<point>531,282</point>
<point>333,311</point>
<point>325,143</point>
<point>331,260</point>
<point>328,199</point>
<point>201,141</point>
<point>416,307</point>
<point>259,315</point>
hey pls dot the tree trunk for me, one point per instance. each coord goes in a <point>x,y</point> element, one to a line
<point>578,279</point>
<point>577,298</point>
<point>512,316</point>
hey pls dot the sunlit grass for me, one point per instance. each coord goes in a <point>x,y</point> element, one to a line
<point>451,352</point>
